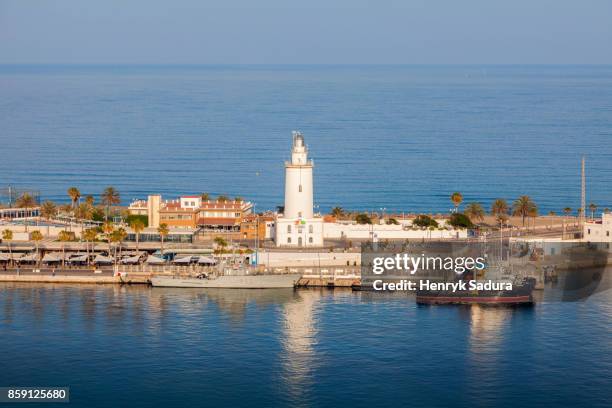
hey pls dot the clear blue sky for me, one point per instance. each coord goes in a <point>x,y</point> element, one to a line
<point>306,31</point>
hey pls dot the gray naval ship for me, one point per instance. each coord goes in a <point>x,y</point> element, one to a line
<point>235,280</point>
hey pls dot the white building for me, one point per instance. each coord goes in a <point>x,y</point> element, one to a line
<point>297,226</point>
<point>599,230</point>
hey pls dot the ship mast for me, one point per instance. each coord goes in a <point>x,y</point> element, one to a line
<point>582,198</point>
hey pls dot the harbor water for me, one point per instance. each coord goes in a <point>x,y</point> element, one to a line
<point>139,346</point>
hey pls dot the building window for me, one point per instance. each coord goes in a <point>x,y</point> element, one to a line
<point>589,231</point>
<point>607,233</point>
<point>288,240</point>
<point>310,240</point>
<point>288,229</point>
<point>300,214</point>
<point>300,188</point>
<point>310,229</point>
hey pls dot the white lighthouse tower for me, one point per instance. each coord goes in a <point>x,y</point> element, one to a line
<point>297,226</point>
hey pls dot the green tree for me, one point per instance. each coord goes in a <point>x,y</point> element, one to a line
<point>163,232</point>
<point>392,221</point>
<point>108,228</point>
<point>475,211</point>
<point>110,197</point>
<point>84,212</point>
<point>424,221</point>
<point>456,199</point>
<point>502,218</point>
<point>64,236</point>
<point>36,236</point>
<point>592,208</point>
<point>117,237</point>
<point>238,199</point>
<point>130,218</point>
<point>90,200</point>
<point>222,199</point>
<point>499,206</point>
<point>137,225</point>
<point>74,195</point>
<point>363,218</point>
<point>48,210</point>
<point>89,235</point>
<point>337,212</point>
<point>221,242</point>
<point>27,202</point>
<point>523,207</point>
<point>205,196</point>
<point>7,235</point>
<point>459,220</point>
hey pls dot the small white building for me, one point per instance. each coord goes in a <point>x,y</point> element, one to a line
<point>297,226</point>
<point>599,230</point>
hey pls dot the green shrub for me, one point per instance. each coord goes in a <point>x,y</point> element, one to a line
<point>133,217</point>
<point>459,220</point>
<point>424,221</point>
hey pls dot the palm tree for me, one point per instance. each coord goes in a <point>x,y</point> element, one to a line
<point>90,200</point>
<point>205,196</point>
<point>89,235</point>
<point>48,210</point>
<point>108,229</point>
<point>163,232</point>
<point>475,211</point>
<point>551,214</point>
<point>523,206</point>
<point>456,199</point>
<point>337,212</point>
<point>74,195</point>
<point>499,207</point>
<point>84,211</point>
<point>238,199</point>
<point>36,236</point>
<point>110,197</point>
<point>137,225</point>
<point>117,236</point>
<point>533,213</point>
<point>220,242</point>
<point>7,235</point>
<point>222,199</point>
<point>501,218</point>
<point>26,201</point>
<point>64,236</point>
<point>592,207</point>
<point>567,210</point>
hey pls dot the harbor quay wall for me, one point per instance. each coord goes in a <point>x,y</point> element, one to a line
<point>39,278</point>
<point>280,259</point>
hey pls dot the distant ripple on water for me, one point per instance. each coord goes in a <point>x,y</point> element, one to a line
<point>396,137</point>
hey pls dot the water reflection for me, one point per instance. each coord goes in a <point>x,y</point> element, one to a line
<point>299,338</point>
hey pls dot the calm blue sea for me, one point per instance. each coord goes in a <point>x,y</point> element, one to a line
<point>145,347</point>
<point>399,137</point>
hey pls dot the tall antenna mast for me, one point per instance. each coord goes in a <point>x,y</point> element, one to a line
<point>582,197</point>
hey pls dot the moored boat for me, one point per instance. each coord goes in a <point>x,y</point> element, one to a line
<point>520,294</point>
<point>268,281</point>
